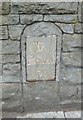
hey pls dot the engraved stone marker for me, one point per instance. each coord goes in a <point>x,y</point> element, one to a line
<point>40,58</point>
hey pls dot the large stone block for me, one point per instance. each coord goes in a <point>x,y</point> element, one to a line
<point>9,19</point>
<point>66,28</point>
<point>72,42</point>
<point>28,19</point>
<point>40,96</point>
<point>71,74</point>
<point>72,59</point>
<point>61,18</point>
<point>44,7</point>
<point>15,31</point>
<point>3,32</point>
<point>79,28</point>
<point>10,47</point>
<point>11,97</point>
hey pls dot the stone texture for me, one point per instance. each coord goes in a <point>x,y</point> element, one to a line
<point>72,59</point>
<point>66,28</point>
<point>61,18</point>
<point>15,31</point>
<point>72,42</point>
<point>40,96</point>
<point>10,58</point>
<point>44,7</point>
<point>11,97</point>
<point>28,19</point>
<point>71,74</point>
<point>10,47</point>
<point>3,32</point>
<point>79,28</point>
<point>9,19</point>
<point>73,114</point>
<point>5,8</point>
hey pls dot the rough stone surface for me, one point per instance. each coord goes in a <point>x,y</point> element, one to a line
<point>5,8</point>
<point>3,32</point>
<point>10,47</point>
<point>61,18</point>
<point>72,59</point>
<point>28,19</point>
<point>43,95</point>
<point>72,42</point>
<point>71,74</point>
<point>11,97</point>
<point>73,114</point>
<point>44,8</point>
<point>79,28</point>
<point>66,28</point>
<point>9,19</point>
<point>15,31</point>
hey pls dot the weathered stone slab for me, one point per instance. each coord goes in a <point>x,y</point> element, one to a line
<point>72,42</point>
<point>28,19</point>
<point>10,58</point>
<point>5,8</point>
<point>71,74</point>
<point>9,19</point>
<point>3,32</point>
<point>41,57</point>
<point>11,97</point>
<point>73,114</point>
<point>10,47</point>
<point>72,59</point>
<point>61,18</point>
<point>79,28</point>
<point>15,31</point>
<point>40,96</point>
<point>66,28</point>
<point>44,7</point>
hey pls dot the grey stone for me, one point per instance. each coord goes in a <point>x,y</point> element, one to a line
<point>73,114</point>
<point>10,58</point>
<point>61,18</point>
<point>3,32</point>
<point>79,28</point>
<point>72,42</point>
<point>11,69</point>
<point>10,47</point>
<point>71,74</point>
<point>44,7</point>
<point>9,19</point>
<point>66,28</point>
<point>72,59</point>
<point>80,9</point>
<point>15,31</point>
<point>39,30</point>
<point>11,97</point>
<point>40,96</point>
<point>5,8</point>
<point>28,19</point>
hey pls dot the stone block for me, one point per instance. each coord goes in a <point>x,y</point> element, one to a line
<point>15,31</point>
<point>72,59</point>
<point>72,42</point>
<point>79,28</point>
<point>3,32</point>
<point>40,96</point>
<point>73,115</point>
<point>66,28</point>
<point>10,58</point>
<point>9,19</point>
<point>71,74</point>
<point>61,18</point>
<point>44,7</point>
<point>5,8</point>
<point>28,19</point>
<point>10,47</point>
<point>11,97</point>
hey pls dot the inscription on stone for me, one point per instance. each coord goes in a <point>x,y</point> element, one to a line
<point>41,58</point>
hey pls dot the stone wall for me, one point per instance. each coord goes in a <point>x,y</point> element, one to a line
<point>16,18</point>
